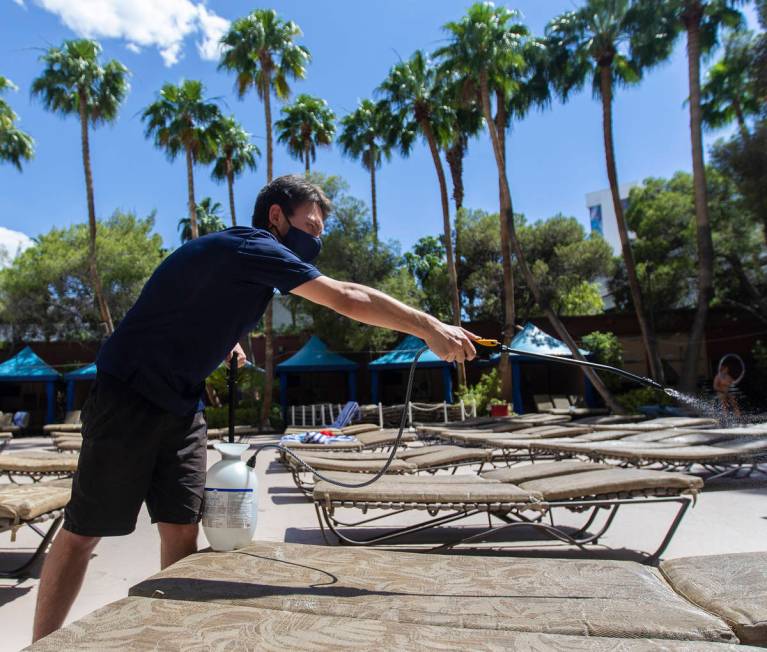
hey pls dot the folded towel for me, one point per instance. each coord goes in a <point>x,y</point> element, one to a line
<point>319,437</point>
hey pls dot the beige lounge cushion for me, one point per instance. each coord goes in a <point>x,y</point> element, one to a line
<point>333,445</point>
<point>518,474</point>
<point>354,466</point>
<point>427,490</point>
<point>63,427</point>
<point>663,423</point>
<point>384,437</point>
<point>24,502</point>
<point>161,624</point>
<point>37,462</point>
<point>360,428</point>
<point>612,481</point>
<point>440,479</point>
<point>660,453</point>
<point>612,419</point>
<point>733,586</point>
<point>535,420</point>
<point>558,596</point>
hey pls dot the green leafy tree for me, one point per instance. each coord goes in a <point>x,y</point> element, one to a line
<point>702,22</point>
<point>480,265</point>
<point>208,220</point>
<point>497,56</point>
<point>728,94</point>
<point>307,124</point>
<point>260,50</point>
<point>15,145</point>
<point>46,292</point>
<point>426,263</point>
<point>413,94</point>
<point>75,82</point>
<point>364,136</point>
<point>743,159</point>
<point>236,154</point>
<point>566,266</point>
<point>590,44</point>
<point>606,349</point>
<point>182,120</point>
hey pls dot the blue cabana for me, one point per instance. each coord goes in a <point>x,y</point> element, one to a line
<point>532,339</point>
<point>88,372</point>
<point>314,356</point>
<point>401,357</point>
<point>27,367</point>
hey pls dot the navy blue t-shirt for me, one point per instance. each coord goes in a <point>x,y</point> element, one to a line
<point>194,308</point>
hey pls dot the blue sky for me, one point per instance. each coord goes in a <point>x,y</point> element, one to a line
<point>555,157</point>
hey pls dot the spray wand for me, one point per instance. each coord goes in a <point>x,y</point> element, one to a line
<point>495,344</point>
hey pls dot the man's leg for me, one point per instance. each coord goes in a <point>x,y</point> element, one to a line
<point>61,579</point>
<point>176,542</point>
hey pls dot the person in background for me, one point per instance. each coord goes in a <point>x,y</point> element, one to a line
<point>724,383</point>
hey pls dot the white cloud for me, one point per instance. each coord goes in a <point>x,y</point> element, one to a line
<point>20,3</point>
<point>12,243</point>
<point>144,23</point>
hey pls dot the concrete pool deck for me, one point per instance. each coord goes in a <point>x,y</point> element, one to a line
<point>730,516</point>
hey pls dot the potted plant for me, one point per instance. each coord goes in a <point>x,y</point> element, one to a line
<point>498,407</point>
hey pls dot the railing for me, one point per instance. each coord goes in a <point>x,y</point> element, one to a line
<point>314,415</point>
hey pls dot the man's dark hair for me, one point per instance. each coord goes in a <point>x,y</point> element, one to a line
<point>288,192</point>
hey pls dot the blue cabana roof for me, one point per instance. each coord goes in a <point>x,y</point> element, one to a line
<point>88,372</point>
<point>402,356</point>
<point>315,356</point>
<point>27,366</point>
<point>533,340</point>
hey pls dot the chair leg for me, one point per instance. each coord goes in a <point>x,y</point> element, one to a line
<point>19,571</point>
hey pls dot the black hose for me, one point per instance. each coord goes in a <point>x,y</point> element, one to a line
<point>585,363</point>
<point>232,394</point>
<point>403,420</point>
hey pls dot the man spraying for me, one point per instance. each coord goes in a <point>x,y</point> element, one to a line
<point>144,433</point>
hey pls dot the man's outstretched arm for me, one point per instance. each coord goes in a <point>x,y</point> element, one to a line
<point>369,306</point>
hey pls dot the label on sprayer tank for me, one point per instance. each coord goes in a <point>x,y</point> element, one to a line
<point>227,508</point>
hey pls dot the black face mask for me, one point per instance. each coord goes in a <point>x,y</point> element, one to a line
<point>304,245</point>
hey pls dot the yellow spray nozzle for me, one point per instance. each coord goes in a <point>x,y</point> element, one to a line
<point>487,342</point>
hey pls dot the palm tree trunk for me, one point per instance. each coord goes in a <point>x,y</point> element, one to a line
<point>509,304</point>
<point>191,205</point>
<point>230,184</point>
<point>306,157</point>
<point>103,308</point>
<point>454,298</point>
<point>454,156</point>
<point>692,18</point>
<point>648,334</point>
<point>521,260</point>
<point>266,403</point>
<point>374,204</point>
<point>740,118</point>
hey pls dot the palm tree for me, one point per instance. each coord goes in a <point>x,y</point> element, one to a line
<point>413,94</point>
<point>182,120</point>
<point>75,82</point>
<point>592,44</point>
<point>15,145</point>
<point>495,55</point>
<point>208,214</point>
<point>701,21</point>
<point>236,154</point>
<point>364,136</point>
<point>308,123</point>
<point>259,48</point>
<point>728,94</point>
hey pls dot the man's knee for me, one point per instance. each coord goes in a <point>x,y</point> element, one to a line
<point>76,543</point>
<point>178,531</point>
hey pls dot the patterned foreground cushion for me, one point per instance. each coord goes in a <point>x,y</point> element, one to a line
<point>547,596</point>
<point>170,625</point>
<point>24,502</point>
<point>733,587</point>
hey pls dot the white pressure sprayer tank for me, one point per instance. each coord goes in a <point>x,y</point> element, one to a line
<point>230,508</point>
<point>231,500</point>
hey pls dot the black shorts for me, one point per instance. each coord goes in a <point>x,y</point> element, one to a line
<point>134,451</point>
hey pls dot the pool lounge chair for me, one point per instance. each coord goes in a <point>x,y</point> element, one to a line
<point>5,438</point>
<point>31,505</point>
<point>71,423</point>
<point>449,499</point>
<point>378,439</point>
<point>37,465</point>
<point>423,459</point>
<point>663,423</point>
<point>14,422</point>
<point>734,458</point>
<point>574,604</point>
<point>484,438</point>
